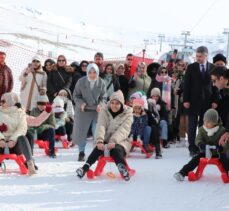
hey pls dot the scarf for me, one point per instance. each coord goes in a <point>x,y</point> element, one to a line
<point>166,89</point>
<point>114,114</point>
<point>211,131</point>
<point>109,84</point>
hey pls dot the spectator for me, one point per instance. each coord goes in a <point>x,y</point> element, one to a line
<point>33,82</point>
<point>59,78</point>
<point>79,74</point>
<point>220,79</point>
<point>198,94</point>
<point>140,81</point>
<point>89,95</point>
<point>123,82</point>
<point>6,77</point>
<point>128,65</point>
<point>98,59</point>
<point>65,94</point>
<point>220,60</point>
<point>48,66</point>
<point>111,81</point>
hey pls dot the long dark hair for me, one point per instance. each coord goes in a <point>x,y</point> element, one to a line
<point>113,71</point>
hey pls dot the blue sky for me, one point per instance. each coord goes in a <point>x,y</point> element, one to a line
<point>159,16</point>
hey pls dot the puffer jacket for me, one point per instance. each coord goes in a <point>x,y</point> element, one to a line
<point>116,129</point>
<point>12,123</point>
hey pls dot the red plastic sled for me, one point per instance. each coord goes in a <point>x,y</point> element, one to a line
<point>193,176</point>
<point>65,143</point>
<point>139,145</point>
<point>100,167</point>
<point>19,159</point>
<point>44,145</point>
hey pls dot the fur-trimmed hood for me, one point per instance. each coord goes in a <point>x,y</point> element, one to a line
<point>67,68</point>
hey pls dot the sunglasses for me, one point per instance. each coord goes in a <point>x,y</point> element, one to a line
<point>36,61</point>
<point>60,60</point>
<point>84,65</point>
<point>163,72</point>
<point>129,59</point>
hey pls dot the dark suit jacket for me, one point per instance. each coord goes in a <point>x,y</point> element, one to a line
<point>198,90</point>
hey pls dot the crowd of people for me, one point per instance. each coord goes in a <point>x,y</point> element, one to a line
<point>155,105</point>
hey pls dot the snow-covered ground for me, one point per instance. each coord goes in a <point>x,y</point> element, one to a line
<point>152,188</point>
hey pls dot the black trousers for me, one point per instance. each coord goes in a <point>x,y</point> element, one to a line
<point>22,147</point>
<point>192,126</point>
<point>155,138</point>
<point>118,154</point>
<point>69,128</point>
<point>192,164</point>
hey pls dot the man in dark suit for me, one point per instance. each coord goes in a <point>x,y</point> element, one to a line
<point>198,94</point>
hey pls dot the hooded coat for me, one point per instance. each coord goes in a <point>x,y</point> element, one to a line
<point>116,129</point>
<point>12,119</point>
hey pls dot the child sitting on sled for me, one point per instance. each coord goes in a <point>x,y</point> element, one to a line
<point>140,131</point>
<point>208,134</point>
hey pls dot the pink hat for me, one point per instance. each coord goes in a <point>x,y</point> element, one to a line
<point>138,102</point>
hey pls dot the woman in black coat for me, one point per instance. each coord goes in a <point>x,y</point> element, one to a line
<point>59,78</point>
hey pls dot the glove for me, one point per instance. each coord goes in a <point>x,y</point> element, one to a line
<point>202,146</point>
<point>48,108</point>
<point>3,128</point>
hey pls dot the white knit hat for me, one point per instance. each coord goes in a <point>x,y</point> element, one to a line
<point>43,98</point>
<point>156,92</point>
<point>58,105</point>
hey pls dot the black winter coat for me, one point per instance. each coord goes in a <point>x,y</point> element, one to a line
<point>198,90</point>
<point>58,79</point>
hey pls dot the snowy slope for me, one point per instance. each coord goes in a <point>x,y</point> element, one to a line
<point>78,40</point>
<point>153,188</point>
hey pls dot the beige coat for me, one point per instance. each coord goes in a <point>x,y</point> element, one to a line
<point>26,79</point>
<point>15,121</point>
<point>116,129</point>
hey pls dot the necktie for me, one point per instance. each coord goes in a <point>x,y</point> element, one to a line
<point>203,70</point>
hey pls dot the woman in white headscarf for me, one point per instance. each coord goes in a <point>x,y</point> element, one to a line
<point>89,95</point>
<point>13,128</point>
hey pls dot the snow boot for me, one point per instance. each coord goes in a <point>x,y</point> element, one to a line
<point>82,171</point>
<point>123,171</point>
<point>81,156</point>
<point>52,153</point>
<point>31,169</point>
<point>179,177</point>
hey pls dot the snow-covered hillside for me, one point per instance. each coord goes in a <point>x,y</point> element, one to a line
<point>45,31</point>
<point>152,188</point>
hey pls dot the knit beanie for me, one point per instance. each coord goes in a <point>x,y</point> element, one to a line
<point>211,115</point>
<point>42,99</point>
<point>11,98</point>
<point>138,102</point>
<point>155,92</point>
<point>219,57</point>
<point>118,96</point>
<point>37,58</point>
<point>58,105</point>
